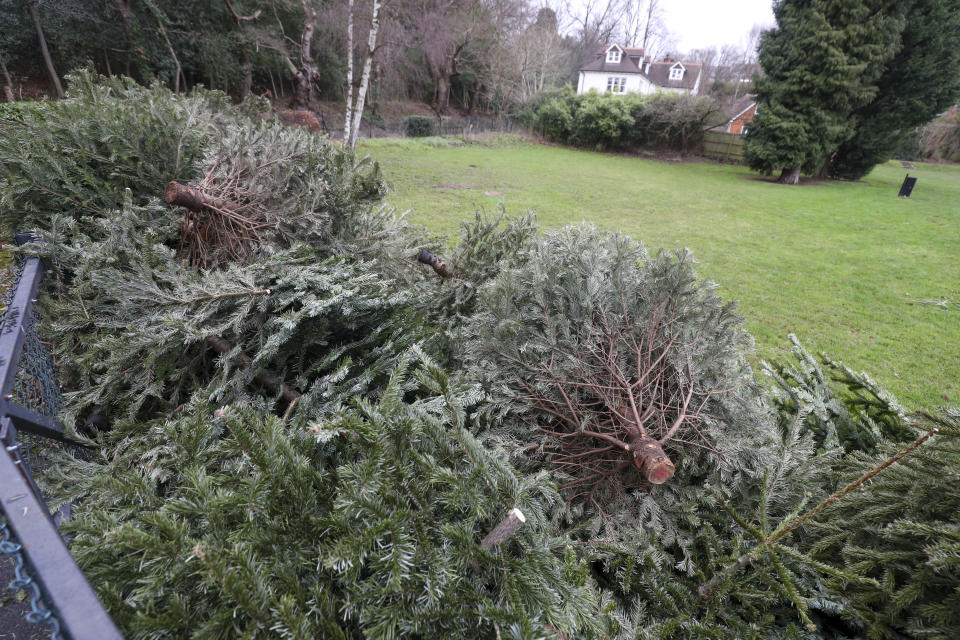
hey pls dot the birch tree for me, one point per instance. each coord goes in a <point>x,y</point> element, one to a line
<point>354,110</point>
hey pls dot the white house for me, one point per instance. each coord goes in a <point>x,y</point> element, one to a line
<point>627,70</point>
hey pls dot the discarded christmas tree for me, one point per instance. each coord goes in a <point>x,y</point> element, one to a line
<point>606,365</point>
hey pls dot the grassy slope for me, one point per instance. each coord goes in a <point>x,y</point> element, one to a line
<point>836,263</point>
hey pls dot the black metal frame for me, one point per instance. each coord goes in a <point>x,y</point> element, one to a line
<point>64,588</point>
<point>907,187</point>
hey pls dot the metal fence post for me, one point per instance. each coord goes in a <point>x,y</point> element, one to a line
<point>70,600</point>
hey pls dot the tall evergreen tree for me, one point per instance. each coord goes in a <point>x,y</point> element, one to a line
<point>919,82</point>
<point>820,64</point>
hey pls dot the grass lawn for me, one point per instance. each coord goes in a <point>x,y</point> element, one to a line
<point>843,265</point>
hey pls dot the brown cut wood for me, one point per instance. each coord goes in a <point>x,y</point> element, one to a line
<point>190,198</point>
<point>652,461</point>
<point>504,530</point>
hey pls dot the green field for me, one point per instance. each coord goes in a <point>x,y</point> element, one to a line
<point>843,265</point>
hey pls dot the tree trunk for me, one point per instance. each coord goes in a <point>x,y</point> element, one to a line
<point>307,73</point>
<point>35,15</point>
<point>649,457</point>
<point>789,176</point>
<point>247,85</point>
<point>365,78</point>
<point>178,70</point>
<point>474,98</point>
<point>348,116</point>
<point>189,198</point>
<point>441,92</point>
<point>123,8</point>
<point>8,87</point>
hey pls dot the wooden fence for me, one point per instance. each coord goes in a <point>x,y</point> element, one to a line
<point>727,147</point>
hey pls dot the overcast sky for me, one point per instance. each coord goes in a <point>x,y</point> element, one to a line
<point>698,24</point>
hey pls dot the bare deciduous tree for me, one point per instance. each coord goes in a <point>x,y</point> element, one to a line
<point>247,62</point>
<point>51,71</point>
<point>354,111</point>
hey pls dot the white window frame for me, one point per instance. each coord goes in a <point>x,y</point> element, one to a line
<point>616,84</point>
<point>613,55</point>
<point>676,72</point>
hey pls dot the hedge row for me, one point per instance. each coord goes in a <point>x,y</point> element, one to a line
<point>622,122</point>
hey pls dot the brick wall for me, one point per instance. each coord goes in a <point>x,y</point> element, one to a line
<point>738,123</point>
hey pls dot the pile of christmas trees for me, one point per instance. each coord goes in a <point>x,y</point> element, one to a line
<point>300,430</point>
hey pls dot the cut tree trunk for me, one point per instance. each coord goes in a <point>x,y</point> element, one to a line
<point>505,530</point>
<point>443,269</point>
<point>790,176</point>
<point>54,78</point>
<point>649,457</point>
<point>183,196</point>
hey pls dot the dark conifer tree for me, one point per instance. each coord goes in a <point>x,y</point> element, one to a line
<point>918,83</point>
<point>820,64</point>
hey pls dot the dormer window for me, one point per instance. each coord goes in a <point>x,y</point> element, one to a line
<point>676,72</point>
<point>613,55</point>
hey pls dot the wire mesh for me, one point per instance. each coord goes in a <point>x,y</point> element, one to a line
<point>36,387</point>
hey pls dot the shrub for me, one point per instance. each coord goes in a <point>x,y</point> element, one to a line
<point>940,139</point>
<point>672,121</point>
<point>554,120</point>
<point>604,121</point>
<point>418,126</point>
<point>601,122</point>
